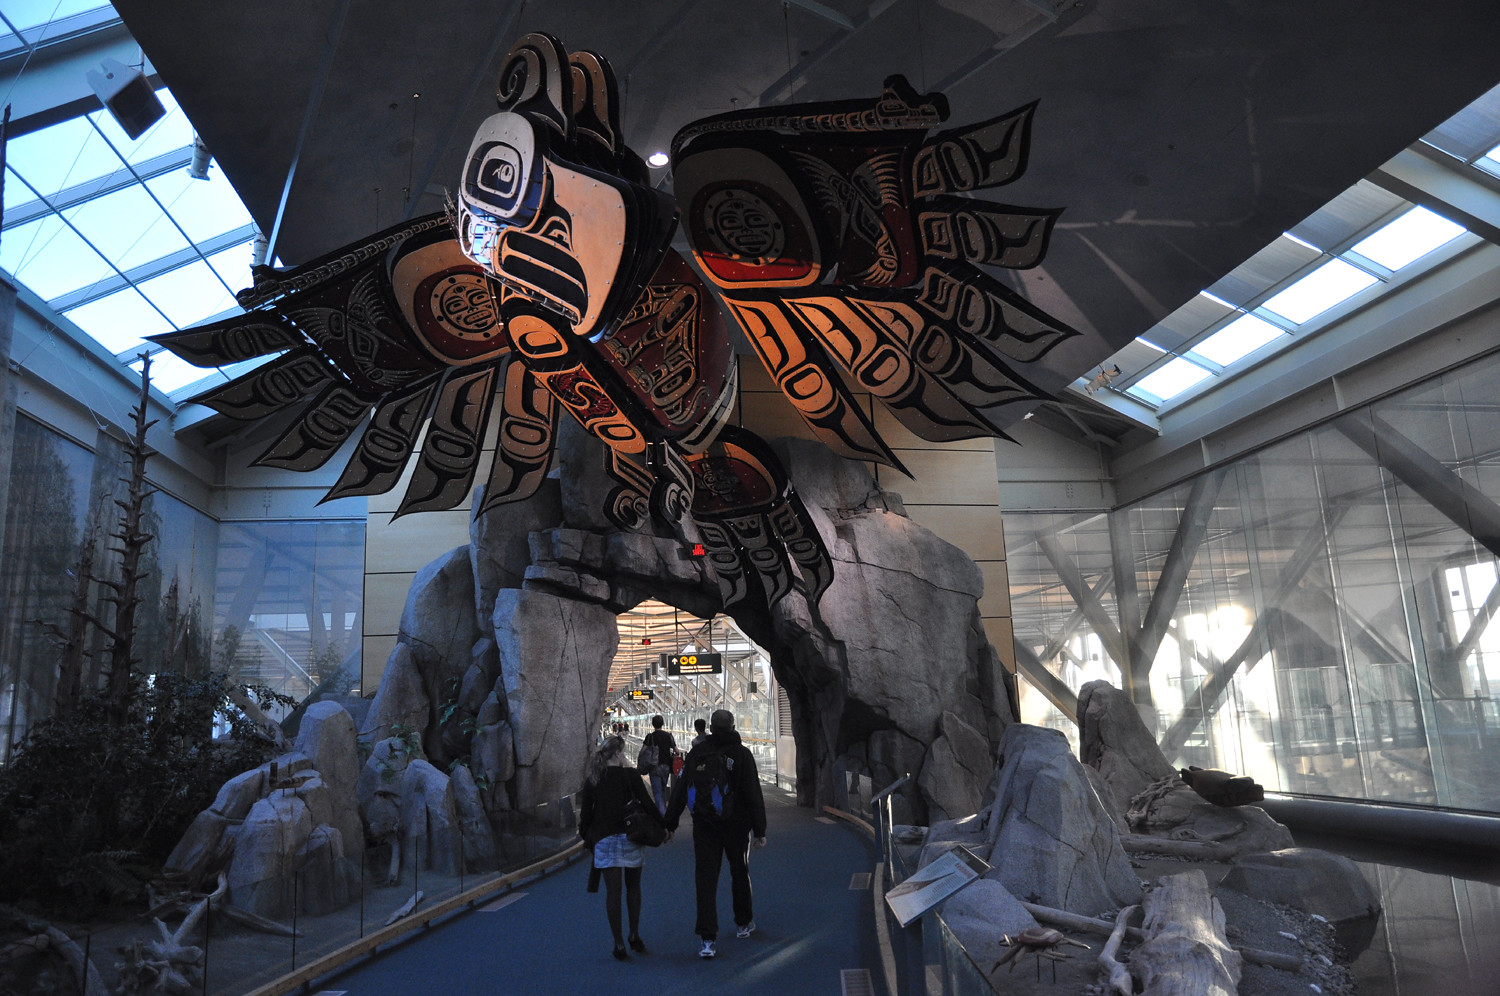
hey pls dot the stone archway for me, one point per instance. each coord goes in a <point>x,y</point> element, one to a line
<point>506,643</point>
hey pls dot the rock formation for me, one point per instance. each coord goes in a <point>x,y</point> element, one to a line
<point>264,830</point>
<point>1150,797</point>
<point>505,644</point>
<point>1045,833</point>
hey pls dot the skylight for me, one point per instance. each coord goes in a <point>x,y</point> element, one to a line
<point>1410,237</point>
<point>1331,283</point>
<point>1170,379</point>
<point>1237,340</point>
<point>1490,160</point>
<point>113,233</point>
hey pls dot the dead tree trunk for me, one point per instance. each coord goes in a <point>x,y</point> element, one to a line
<point>126,597</point>
<point>1185,952</point>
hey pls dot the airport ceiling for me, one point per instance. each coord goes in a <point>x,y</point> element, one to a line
<point>1180,137</point>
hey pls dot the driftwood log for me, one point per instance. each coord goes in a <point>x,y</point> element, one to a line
<point>1185,952</point>
<point>1197,850</point>
<point>405,909</point>
<point>1091,925</point>
<point>1116,975</point>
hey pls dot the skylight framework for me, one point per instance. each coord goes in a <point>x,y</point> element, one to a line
<point>111,232</point>
<point>1318,286</point>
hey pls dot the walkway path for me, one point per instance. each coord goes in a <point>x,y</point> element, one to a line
<point>550,936</point>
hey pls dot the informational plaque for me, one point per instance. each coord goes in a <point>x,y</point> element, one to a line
<point>931,885</point>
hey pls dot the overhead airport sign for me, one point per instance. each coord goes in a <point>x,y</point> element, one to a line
<point>681,664</point>
<point>642,693</point>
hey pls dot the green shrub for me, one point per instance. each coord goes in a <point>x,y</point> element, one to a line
<point>89,810</point>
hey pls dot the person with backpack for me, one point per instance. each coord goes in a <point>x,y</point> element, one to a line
<point>721,789</point>
<point>604,803</point>
<point>655,760</point>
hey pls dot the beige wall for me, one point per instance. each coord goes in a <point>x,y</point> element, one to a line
<point>955,494</point>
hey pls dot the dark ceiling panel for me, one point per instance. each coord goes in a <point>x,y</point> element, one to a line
<point>1180,138</point>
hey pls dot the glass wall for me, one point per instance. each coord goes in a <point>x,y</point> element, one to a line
<point>288,604</point>
<point>45,520</point>
<point>59,515</point>
<point>1317,615</point>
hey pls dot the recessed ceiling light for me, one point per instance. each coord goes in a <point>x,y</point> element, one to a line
<point>658,159</point>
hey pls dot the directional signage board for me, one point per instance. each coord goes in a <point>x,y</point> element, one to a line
<point>642,693</point>
<point>683,664</point>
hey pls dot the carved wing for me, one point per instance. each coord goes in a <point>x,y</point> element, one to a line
<point>839,240</point>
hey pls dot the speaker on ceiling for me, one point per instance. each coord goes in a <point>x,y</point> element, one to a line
<point>127,95</point>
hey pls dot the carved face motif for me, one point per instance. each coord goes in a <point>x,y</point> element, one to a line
<point>549,231</point>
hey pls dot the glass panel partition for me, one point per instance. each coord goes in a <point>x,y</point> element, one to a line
<point>1318,614</point>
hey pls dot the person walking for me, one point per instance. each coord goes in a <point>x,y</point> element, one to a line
<point>660,771</point>
<point>701,733</point>
<point>607,790</point>
<point>721,789</point>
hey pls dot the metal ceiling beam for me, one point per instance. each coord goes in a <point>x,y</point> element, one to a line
<point>1463,504</point>
<point>1199,708</point>
<point>1192,527</point>
<point>1444,186</point>
<point>1050,685</point>
<point>1086,598</point>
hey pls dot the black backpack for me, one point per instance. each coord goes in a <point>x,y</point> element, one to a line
<point>710,791</point>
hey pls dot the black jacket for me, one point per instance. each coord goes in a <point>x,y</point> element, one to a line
<point>602,807</point>
<point>665,744</point>
<point>750,809</point>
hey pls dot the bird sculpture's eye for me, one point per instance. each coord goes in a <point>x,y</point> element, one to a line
<point>494,175</point>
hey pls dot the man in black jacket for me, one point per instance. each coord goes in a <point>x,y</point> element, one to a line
<point>721,788</point>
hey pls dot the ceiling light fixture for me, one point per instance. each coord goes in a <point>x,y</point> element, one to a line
<point>658,159</point>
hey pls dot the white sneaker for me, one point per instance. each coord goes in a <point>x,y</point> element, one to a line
<point>709,950</point>
<point>746,930</point>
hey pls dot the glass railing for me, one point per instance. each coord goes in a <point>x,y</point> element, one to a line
<point>319,914</point>
<point>933,960</point>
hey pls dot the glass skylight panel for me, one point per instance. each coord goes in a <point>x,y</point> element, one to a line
<point>204,208</point>
<point>233,266</point>
<point>172,373</point>
<point>1171,379</point>
<point>1332,283</point>
<point>1491,160</point>
<point>1237,340</point>
<point>127,227</point>
<point>1411,236</point>
<point>120,321</point>
<point>49,258</point>
<point>59,156</point>
<point>189,293</point>
<point>30,13</point>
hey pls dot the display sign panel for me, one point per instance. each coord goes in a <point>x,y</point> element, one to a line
<point>934,883</point>
<point>677,665</point>
<point>642,693</point>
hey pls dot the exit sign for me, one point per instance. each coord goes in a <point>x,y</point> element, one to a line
<point>681,664</point>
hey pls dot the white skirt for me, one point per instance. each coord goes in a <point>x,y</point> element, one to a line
<point>617,851</point>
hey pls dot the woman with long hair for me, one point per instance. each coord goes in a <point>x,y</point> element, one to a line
<point>607,789</point>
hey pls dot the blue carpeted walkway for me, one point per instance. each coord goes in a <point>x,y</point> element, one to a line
<point>552,936</point>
